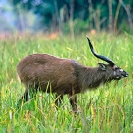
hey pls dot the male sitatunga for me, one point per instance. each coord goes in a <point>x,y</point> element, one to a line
<point>65,76</point>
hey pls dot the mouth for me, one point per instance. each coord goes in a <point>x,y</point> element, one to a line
<point>125,75</point>
<point>118,78</point>
<point>122,76</point>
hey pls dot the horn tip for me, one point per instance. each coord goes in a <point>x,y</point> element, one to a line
<point>88,40</point>
<point>87,37</point>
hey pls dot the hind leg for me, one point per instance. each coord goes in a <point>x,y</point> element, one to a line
<point>28,94</point>
<point>31,91</point>
<point>23,99</point>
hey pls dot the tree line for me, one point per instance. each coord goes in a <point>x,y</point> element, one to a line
<point>81,15</point>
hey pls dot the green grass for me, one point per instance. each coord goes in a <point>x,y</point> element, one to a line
<point>108,109</point>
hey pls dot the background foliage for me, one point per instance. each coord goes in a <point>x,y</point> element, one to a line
<point>111,15</point>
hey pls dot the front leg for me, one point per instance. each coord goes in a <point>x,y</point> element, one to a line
<point>73,99</point>
<point>73,102</point>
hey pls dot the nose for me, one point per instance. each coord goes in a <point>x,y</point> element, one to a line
<point>126,74</point>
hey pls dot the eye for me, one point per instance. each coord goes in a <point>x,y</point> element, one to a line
<point>117,69</point>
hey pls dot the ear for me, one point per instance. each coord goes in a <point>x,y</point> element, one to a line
<point>102,66</point>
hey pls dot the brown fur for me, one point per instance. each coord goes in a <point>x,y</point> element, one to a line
<point>65,76</point>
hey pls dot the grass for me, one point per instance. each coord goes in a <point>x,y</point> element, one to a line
<point>106,110</point>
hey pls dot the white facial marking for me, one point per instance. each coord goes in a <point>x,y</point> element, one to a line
<point>121,70</point>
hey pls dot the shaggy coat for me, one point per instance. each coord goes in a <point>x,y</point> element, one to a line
<point>63,76</point>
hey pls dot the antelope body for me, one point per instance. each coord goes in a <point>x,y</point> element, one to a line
<point>65,76</point>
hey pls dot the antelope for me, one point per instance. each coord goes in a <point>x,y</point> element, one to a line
<point>66,76</point>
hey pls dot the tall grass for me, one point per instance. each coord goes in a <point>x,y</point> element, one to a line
<point>108,109</point>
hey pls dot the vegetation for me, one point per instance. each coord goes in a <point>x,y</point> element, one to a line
<point>108,109</point>
<point>54,15</point>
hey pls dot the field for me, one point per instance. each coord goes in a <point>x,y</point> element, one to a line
<point>108,109</point>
